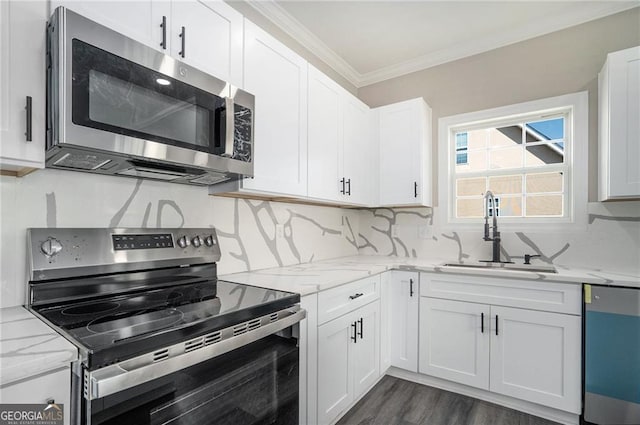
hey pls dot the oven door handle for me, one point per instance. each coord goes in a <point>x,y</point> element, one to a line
<point>129,373</point>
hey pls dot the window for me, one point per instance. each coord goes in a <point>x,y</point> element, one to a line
<point>524,154</point>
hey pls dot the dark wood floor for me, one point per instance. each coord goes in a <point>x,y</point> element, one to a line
<point>395,401</point>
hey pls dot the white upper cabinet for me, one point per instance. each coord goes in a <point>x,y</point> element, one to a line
<point>405,153</point>
<point>619,138</point>
<point>358,152</point>
<point>22,85</point>
<point>210,41</point>
<point>325,137</point>
<point>278,79</point>
<point>340,146</point>
<point>212,37</point>
<point>140,19</point>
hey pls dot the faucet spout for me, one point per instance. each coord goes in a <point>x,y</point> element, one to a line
<point>495,239</point>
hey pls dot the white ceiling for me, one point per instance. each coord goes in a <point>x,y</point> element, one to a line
<point>371,41</point>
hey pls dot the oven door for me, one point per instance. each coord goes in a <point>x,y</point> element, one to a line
<point>256,383</point>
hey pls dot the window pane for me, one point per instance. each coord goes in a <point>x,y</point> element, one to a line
<point>469,207</point>
<point>506,158</point>
<point>545,130</point>
<point>509,206</point>
<point>461,140</point>
<point>477,139</point>
<point>505,184</point>
<point>547,205</point>
<point>544,182</point>
<point>476,161</point>
<point>505,136</point>
<point>470,187</point>
<point>549,153</point>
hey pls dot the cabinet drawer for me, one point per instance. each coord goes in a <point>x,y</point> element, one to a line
<point>534,295</point>
<point>52,385</point>
<point>337,301</point>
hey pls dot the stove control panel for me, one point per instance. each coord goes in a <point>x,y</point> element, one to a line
<point>62,252</point>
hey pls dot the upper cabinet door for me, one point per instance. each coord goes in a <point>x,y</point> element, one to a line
<point>405,153</point>
<point>207,34</point>
<point>619,109</point>
<point>140,20</point>
<point>358,152</point>
<point>22,76</point>
<point>324,137</point>
<point>278,79</point>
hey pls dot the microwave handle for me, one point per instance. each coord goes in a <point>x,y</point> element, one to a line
<point>230,127</point>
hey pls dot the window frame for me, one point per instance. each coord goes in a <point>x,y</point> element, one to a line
<point>575,184</point>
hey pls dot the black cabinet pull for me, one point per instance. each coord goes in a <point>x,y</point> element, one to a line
<point>343,191</point>
<point>358,295</point>
<point>163,25</point>
<point>361,327</point>
<point>411,287</point>
<point>496,324</point>
<point>482,323</point>
<point>29,108</point>
<point>183,36</point>
<point>349,187</point>
<point>415,189</point>
<point>354,338</point>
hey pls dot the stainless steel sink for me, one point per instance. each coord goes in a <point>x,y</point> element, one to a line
<point>535,268</point>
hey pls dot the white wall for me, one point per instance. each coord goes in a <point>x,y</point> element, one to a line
<point>246,229</point>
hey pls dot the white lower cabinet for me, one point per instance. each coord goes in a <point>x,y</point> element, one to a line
<point>54,386</point>
<point>527,354</point>
<point>348,360</point>
<point>535,356</point>
<point>453,343</point>
<point>403,319</point>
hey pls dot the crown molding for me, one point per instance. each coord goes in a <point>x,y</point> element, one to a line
<point>290,25</point>
<point>281,18</point>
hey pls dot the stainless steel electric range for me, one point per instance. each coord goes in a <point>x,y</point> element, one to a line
<point>161,339</point>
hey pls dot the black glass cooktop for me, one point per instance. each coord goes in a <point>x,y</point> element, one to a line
<point>115,328</point>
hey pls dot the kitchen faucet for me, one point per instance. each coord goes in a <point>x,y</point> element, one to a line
<point>488,196</point>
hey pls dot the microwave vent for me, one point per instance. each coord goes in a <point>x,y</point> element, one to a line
<point>210,178</point>
<point>81,161</point>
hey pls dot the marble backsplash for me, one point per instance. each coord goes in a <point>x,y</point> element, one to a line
<point>609,241</point>
<point>253,234</point>
<point>258,234</point>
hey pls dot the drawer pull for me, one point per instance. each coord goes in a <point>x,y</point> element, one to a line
<point>358,295</point>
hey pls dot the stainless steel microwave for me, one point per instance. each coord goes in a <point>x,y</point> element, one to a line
<point>118,107</point>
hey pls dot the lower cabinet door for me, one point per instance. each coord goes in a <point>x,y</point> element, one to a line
<point>535,356</point>
<point>335,376</point>
<point>366,349</point>
<point>454,343</point>
<point>403,294</point>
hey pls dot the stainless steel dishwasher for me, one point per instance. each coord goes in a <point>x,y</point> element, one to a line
<point>612,355</point>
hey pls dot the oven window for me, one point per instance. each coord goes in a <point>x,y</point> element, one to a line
<point>113,94</point>
<point>255,384</point>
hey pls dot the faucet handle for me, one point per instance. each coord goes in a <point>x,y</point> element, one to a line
<point>528,257</point>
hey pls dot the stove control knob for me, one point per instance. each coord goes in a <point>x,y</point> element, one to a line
<point>196,241</point>
<point>51,247</point>
<point>183,242</point>
<point>209,241</point>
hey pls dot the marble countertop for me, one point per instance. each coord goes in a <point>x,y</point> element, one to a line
<point>28,346</point>
<point>310,278</point>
